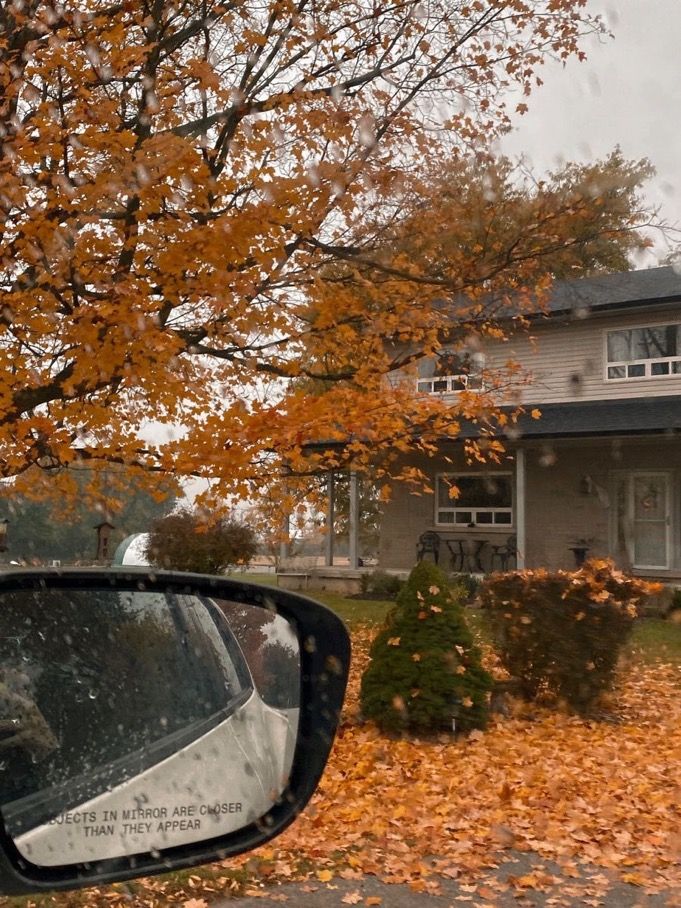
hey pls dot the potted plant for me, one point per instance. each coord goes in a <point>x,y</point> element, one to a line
<point>579,548</point>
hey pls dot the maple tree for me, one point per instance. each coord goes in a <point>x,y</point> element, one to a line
<point>488,238</point>
<point>186,194</point>
<point>496,216</point>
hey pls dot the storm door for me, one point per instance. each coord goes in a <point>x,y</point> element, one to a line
<point>643,518</point>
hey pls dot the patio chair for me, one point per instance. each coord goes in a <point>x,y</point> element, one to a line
<point>429,543</point>
<point>504,553</point>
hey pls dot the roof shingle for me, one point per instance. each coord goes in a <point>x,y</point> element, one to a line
<point>624,289</point>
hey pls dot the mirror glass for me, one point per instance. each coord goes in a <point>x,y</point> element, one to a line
<point>133,721</point>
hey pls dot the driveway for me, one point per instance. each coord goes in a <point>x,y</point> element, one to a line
<point>520,880</point>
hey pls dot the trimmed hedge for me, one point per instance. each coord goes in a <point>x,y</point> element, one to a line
<point>425,673</point>
<point>379,585</point>
<point>562,633</point>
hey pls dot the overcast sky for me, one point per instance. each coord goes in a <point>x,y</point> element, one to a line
<point>627,93</point>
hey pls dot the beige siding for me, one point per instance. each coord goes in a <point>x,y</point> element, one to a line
<point>567,360</point>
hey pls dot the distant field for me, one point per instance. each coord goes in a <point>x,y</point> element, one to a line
<point>263,579</point>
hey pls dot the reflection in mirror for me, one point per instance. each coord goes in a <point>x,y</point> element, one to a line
<point>134,721</point>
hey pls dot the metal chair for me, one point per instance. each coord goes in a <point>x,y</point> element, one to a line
<point>504,553</point>
<point>429,543</point>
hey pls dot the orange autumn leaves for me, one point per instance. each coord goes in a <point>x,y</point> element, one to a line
<point>567,789</point>
<point>560,632</point>
<point>187,197</point>
<point>415,812</point>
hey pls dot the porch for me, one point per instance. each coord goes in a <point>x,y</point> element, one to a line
<point>558,499</point>
<point>340,579</point>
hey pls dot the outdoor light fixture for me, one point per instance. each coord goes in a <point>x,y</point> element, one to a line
<point>586,485</point>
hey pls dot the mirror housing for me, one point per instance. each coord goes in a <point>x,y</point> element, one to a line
<point>153,720</point>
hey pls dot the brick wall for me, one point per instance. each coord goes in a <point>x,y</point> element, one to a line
<point>559,509</point>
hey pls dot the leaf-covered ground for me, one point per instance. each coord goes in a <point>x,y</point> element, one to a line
<point>605,793</point>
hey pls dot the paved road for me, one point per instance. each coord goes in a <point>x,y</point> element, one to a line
<point>504,887</point>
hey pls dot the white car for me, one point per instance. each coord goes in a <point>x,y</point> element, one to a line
<point>199,746</point>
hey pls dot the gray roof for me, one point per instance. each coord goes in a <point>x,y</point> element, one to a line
<point>615,291</point>
<point>578,419</point>
<point>596,418</point>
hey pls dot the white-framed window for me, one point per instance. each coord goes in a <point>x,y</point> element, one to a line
<point>448,372</point>
<point>484,499</point>
<point>651,351</point>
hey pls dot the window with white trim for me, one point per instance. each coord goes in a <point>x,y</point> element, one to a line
<point>448,372</point>
<point>484,499</point>
<point>649,352</point>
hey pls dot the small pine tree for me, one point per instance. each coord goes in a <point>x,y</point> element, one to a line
<point>425,671</point>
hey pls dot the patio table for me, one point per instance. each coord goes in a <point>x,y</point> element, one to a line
<point>467,553</point>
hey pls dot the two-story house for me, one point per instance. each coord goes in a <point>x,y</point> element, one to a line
<point>599,471</point>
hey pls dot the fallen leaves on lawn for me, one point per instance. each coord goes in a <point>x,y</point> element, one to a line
<point>415,811</point>
<point>607,793</point>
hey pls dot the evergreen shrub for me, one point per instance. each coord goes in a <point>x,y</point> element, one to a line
<point>425,673</point>
<point>469,582</point>
<point>561,633</point>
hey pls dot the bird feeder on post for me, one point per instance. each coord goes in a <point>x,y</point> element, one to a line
<point>104,530</point>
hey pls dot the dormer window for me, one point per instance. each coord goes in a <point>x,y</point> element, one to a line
<point>649,352</point>
<point>449,372</point>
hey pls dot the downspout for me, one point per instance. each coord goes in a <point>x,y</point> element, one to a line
<point>520,492</point>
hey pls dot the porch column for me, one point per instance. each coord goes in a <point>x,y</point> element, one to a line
<point>354,521</point>
<point>520,507</point>
<point>284,540</point>
<point>330,517</point>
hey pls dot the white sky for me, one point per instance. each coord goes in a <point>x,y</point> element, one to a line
<point>627,93</point>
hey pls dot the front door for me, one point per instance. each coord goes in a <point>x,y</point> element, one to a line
<point>643,518</point>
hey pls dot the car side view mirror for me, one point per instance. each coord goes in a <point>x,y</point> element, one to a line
<point>152,721</point>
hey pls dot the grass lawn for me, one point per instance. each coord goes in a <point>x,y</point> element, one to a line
<point>352,611</point>
<point>653,639</point>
